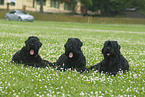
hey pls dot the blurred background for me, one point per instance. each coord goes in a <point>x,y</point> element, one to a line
<point>85,11</point>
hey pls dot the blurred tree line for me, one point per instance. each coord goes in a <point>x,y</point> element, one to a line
<point>106,7</point>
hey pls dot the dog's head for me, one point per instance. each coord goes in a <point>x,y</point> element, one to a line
<point>32,45</point>
<point>73,47</point>
<point>111,48</point>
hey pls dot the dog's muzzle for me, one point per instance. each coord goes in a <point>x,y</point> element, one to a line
<point>32,51</point>
<point>108,51</point>
<point>70,52</point>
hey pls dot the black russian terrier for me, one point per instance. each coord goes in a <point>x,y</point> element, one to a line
<point>28,55</point>
<point>73,57</point>
<point>113,61</point>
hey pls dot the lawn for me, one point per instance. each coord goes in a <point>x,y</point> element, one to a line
<point>22,81</point>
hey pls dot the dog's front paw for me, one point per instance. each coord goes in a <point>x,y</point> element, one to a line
<point>83,70</point>
<point>86,71</point>
<point>51,64</point>
<point>60,69</point>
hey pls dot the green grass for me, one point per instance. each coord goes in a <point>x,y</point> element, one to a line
<point>21,81</point>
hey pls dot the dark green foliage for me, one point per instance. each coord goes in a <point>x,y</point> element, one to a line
<point>114,7</point>
<point>71,3</point>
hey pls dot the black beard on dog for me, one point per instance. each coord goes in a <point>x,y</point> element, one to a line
<point>113,61</point>
<point>73,56</point>
<point>28,55</point>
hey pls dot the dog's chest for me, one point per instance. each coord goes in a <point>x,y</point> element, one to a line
<point>112,65</point>
<point>74,63</point>
<point>70,63</point>
<point>29,59</point>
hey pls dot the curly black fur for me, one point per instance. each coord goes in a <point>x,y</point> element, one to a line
<point>113,60</point>
<point>73,56</point>
<point>28,55</point>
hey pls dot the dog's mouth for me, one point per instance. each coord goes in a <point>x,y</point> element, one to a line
<point>70,54</point>
<point>31,52</point>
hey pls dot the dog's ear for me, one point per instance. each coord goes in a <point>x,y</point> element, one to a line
<point>65,45</point>
<point>67,42</point>
<point>102,50</point>
<point>118,46</point>
<point>105,43</point>
<point>27,47</point>
<point>79,42</point>
<point>26,42</point>
<point>40,44</point>
<point>28,39</point>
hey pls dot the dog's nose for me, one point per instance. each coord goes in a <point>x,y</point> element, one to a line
<point>108,48</point>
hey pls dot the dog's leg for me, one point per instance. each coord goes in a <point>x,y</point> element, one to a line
<point>47,63</point>
<point>60,63</point>
<point>60,60</point>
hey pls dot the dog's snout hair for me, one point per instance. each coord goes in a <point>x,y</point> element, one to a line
<point>32,45</point>
<point>71,47</point>
<point>108,48</point>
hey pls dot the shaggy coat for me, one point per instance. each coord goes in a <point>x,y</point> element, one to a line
<point>113,60</point>
<point>73,56</point>
<point>28,55</point>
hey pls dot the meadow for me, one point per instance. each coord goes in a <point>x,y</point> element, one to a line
<point>22,81</point>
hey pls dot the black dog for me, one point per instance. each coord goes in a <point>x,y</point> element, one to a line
<point>113,60</point>
<point>73,56</point>
<point>28,55</point>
